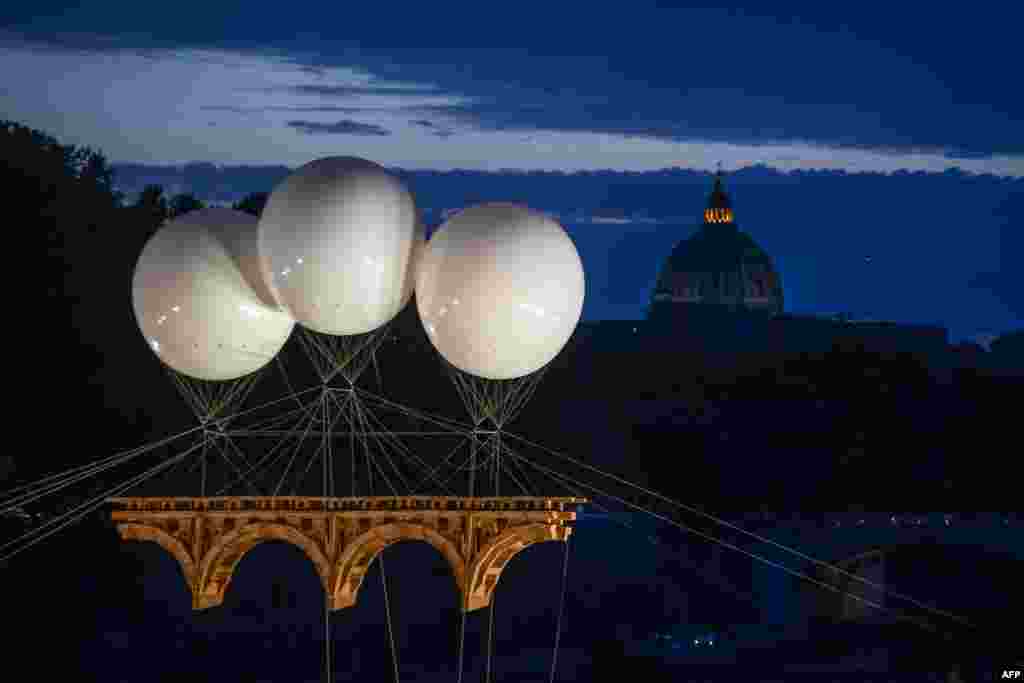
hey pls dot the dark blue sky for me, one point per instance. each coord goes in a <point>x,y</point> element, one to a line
<point>538,85</point>
<point>861,91</point>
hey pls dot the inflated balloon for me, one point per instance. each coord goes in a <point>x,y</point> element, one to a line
<point>338,240</point>
<point>200,300</point>
<point>500,290</point>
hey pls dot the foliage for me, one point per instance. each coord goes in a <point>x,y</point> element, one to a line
<point>252,203</point>
<point>182,204</point>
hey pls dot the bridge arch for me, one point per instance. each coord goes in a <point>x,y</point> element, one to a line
<point>486,568</point>
<point>358,555</point>
<point>219,562</point>
<point>144,532</point>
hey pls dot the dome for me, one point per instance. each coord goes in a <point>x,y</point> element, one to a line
<point>720,266</point>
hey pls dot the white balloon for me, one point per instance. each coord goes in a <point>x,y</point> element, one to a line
<point>200,300</point>
<point>338,240</point>
<point>500,290</point>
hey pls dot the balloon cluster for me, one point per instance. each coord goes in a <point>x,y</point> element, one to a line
<point>339,249</point>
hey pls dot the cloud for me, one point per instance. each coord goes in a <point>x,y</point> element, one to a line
<point>330,109</point>
<point>738,78</point>
<point>964,154</point>
<point>434,128</point>
<point>343,127</point>
<point>354,90</point>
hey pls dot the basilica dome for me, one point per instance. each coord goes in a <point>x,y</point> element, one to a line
<point>719,267</point>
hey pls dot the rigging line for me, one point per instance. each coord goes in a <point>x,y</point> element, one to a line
<point>467,396</point>
<point>400,447</point>
<point>240,394</point>
<point>518,483</point>
<point>343,414</point>
<point>324,449</point>
<point>469,464</point>
<point>282,399</point>
<point>223,454</point>
<point>573,492</point>
<point>328,671</point>
<point>110,460</point>
<point>102,499</point>
<point>561,608</point>
<point>328,431</point>
<point>528,491</point>
<point>86,472</point>
<point>362,425</point>
<point>365,414</point>
<point>717,579</point>
<point>464,589</point>
<point>490,636</point>
<point>268,425</point>
<point>454,425</point>
<point>284,375</point>
<point>723,522</point>
<point>202,461</point>
<point>351,441</point>
<point>793,572</point>
<point>195,400</point>
<point>387,614</point>
<point>451,453</point>
<point>260,462</point>
<point>298,446</point>
<point>376,369</point>
<point>311,356</point>
<point>163,474</point>
<point>245,460</point>
<point>309,465</point>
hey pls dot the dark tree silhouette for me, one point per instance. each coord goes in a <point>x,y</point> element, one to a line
<point>252,203</point>
<point>152,204</point>
<point>182,204</point>
<point>1010,348</point>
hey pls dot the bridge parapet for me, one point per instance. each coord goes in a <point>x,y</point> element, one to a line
<point>342,536</point>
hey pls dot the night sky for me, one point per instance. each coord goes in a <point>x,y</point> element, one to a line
<point>561,86</point>
<point>850,90</point>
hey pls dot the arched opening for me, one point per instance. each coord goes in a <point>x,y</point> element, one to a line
<point>273,604</point>
<point>423,601</point>
<point>217,567</point>
<point>350,570</point>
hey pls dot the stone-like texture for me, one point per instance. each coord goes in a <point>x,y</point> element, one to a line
<point>342,536</point>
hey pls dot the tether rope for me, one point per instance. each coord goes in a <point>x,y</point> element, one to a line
<point>763,539</point>
<point>561,606</point>
<point>91,505</point>
<point>718,541</point>
<point>464,590</point>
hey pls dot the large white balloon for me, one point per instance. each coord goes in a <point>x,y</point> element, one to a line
<point>200,300</point>
<point>338,241</point>
<point>500,290</point>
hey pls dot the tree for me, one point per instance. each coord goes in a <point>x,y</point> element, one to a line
<point>182,204</point>
<point>153,205</point>
<point>252,203</point>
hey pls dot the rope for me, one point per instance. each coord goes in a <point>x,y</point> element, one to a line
<point>328,671</point>
<point>490,636</point>
<point>90,505</point>
<point>793,572</point>
<point>465,588</point>
<point>763,539</point>
<point>387,613</point>
<point>561,605</point>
